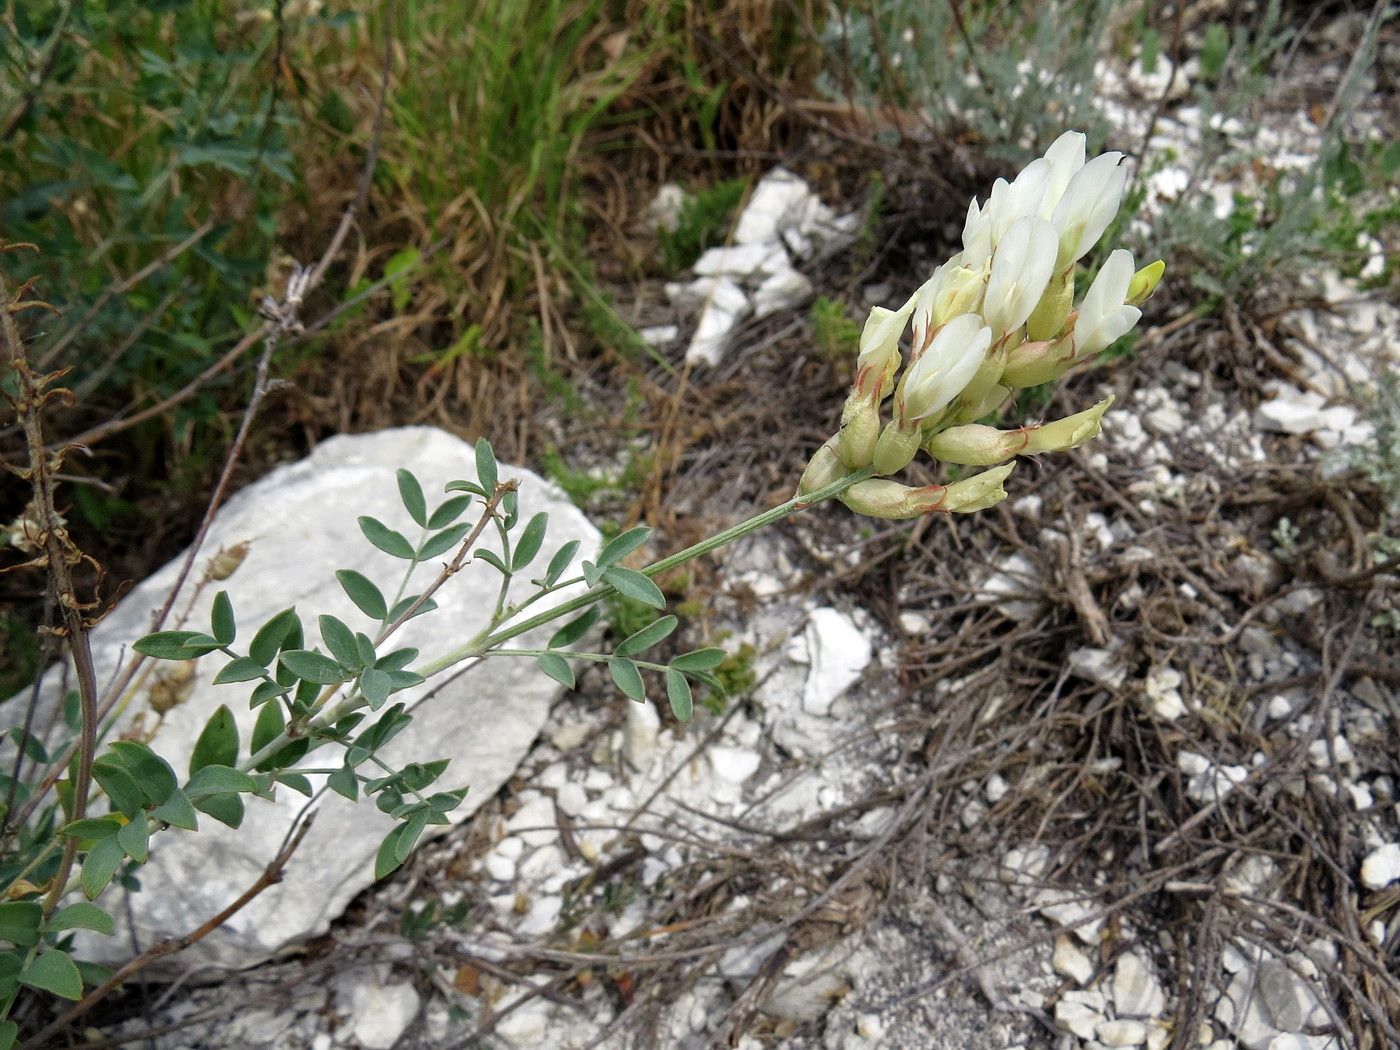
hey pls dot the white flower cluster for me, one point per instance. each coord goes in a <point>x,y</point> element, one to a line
<point>997,317</point>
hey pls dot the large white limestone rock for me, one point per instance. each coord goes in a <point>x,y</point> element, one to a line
<point>300,522</point>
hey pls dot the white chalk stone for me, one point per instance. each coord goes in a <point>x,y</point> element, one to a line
<point>733,764</point>
<point>639,741</point>
<point>1098,665</point>
<point>1121,1032</point>
<point>300,522</point>
<point>1136,990</point>
<point>721,314</point>
<point>1381,867</point>
<point>536,814</point>
<point>839,652</point>
<point>1069,961</point>
<point>783,290</point>
<point>571,798</point>
<point>379,1013</point>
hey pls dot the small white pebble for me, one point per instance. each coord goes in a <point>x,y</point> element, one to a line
<point>1381,866</point>
<point>1121,1032</point>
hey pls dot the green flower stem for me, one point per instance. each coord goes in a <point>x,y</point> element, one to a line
<point>481,645</point>
<point>487,641</point>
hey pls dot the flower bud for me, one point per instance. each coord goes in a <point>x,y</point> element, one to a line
<point>1070,432</point>
<point>971,411</point>
<point>975,445</point>
<point>1047,320</point>
<point>977,492</point>
<point>860,428</point>
<point>879,347</point>
<point>951,291</point>
<point>879,498</point>
<point>823,469</point>
<point>1031,364</point>
<point>896,447</point>
<point>1144,283</point>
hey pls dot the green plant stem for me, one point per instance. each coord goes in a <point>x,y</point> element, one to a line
<point>487,640</point>
<point>481,645</point>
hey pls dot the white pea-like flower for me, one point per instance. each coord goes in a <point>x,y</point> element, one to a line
<point>952,290</point>
<point>1065,157</point>
<point>940,373</point>
<point>1008,203</point>
<point>1021,268</point>
<point>879,340</point>
<point>1103,315</point>
<point>1089,204</point>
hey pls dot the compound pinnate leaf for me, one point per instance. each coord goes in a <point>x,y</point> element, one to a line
<point>411,830</point>
<point>699,660</point>
<point>81,916</point>
<point>360,590</point>
<point>557,668</point>
<point>221,622</point>
<point>530,541</point>
<point>177,812</point>
<point>135,839</point>
<point>448,511</point>
<point>217,743</point>
<point>92,828</point>
<point>634,584</point>
<point>218,780</point>
<point>340,640</point>
<point>239,669</point>
<point>404,680</point>
<point>152,773</point>
<point>647,636</point>
<point>19,922</point>
<point>376,685</point>
<point>619,547</point>
<point>387,859</point>
<point>678,693</point>
<point>412,495</point>
<point>397,660</point>
<point>175,645</point>
<point>485,465</point>
<point>344,782</point>
<point>120,785</point>
<point>282,631</point>
<point>386,539</point>
<point>268,727</point>
<point>263,692</point>
<point>574,629</point>
<point>490,558</point>
<point>100,865</point>
<point>313,667</point>
<point>227,809</point>
<point>443,541</point>
<point>628,678</point>
<point>557,564</point>
<point>55,972</point>
<point>404,604</point>
<point>297,782</point>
